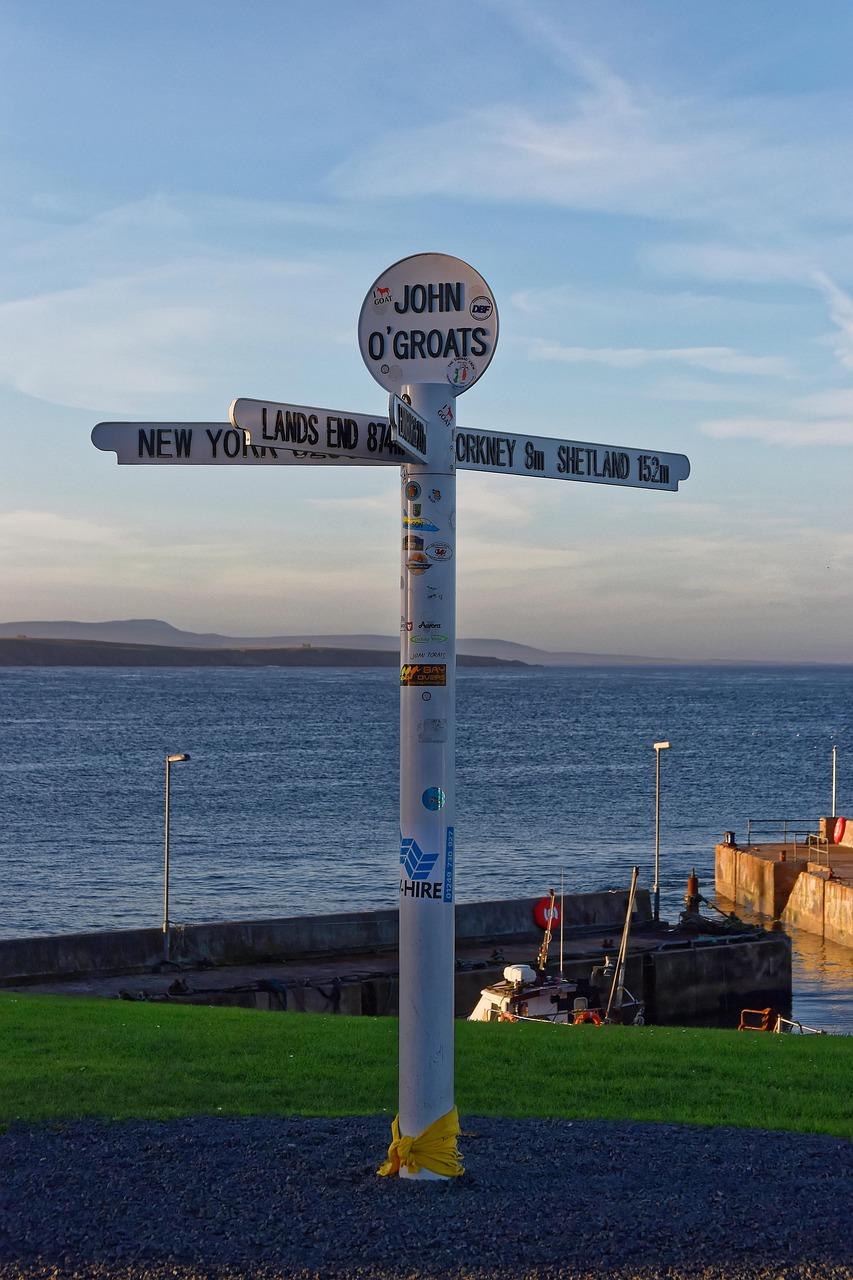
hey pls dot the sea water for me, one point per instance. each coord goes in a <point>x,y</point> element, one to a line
<point>289,802</point>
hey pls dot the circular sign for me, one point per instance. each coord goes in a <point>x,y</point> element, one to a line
<point>429,318</point>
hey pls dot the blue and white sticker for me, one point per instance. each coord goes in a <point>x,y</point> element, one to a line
<point>417,864</point>
<point>448,866</point>
<point>433,798</point>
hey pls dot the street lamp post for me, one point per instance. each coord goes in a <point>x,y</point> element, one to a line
<point>170,760</point>
<point>834,776</point>
<point>659,747</point>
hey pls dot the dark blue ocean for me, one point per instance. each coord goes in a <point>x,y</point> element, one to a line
<point>289,803</point>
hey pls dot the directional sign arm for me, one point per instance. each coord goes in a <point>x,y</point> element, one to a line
<point>216,444</point>
<point>333,434</point>
<point>408,429</point>
<point>525,455</point>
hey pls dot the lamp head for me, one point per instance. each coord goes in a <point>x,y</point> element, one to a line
<point>175,759</point>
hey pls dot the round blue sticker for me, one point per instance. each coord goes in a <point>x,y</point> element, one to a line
<point>433,798</point>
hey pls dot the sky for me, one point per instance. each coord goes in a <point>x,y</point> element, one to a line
<point>196,196</point>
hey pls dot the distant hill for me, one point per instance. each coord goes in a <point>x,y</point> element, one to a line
<point>151,631</point>
<point>22,651</point>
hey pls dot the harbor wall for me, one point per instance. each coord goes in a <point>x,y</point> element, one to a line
<point>703,982</point>
<point>233,942</point>
<point>695,982</point>
<point>771,881</point>
<point>762,883</point>
<point>712,980</point>
<point>822,905</point>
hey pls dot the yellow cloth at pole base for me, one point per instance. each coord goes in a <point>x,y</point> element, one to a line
<point>434,1149</point>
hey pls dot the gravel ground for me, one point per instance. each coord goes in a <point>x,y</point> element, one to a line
<point>212,1199</point>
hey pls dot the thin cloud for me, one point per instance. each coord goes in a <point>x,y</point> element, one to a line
<point>28,529</point>
<point>621,147</point>
<point>791,431</point>
<point>714,359</point>
<point>722,262</point>
<point>120,343</point>
<point>841,313</point>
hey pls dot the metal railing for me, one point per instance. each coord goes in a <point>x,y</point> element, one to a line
<point>795,831</point>
<point>772,1021</point>
<point>818,851</point>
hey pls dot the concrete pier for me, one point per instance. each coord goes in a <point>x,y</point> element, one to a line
<point>806,883</point>
<point>347,963</point>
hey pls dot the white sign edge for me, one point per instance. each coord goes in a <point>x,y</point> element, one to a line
<point>677,463</point>
<point>261,454</point>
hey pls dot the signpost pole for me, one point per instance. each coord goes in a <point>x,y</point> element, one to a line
<point>427,776</point>
<point>427,332</point>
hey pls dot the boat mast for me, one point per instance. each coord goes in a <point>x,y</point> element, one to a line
<point>619,974</point>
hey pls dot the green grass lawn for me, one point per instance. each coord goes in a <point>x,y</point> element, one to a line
<point>65,1058</point>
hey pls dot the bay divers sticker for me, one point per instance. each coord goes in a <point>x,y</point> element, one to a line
<point>423,673</point>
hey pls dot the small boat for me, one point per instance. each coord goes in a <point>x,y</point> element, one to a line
<point>533,995</point>
<point>527,996</point>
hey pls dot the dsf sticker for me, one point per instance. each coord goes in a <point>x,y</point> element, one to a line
<point>433,798</point>
<point>423,673</point>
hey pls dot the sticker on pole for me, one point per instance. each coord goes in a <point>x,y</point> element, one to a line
<point>428,318</point>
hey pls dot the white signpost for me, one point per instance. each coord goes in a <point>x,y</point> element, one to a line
<point>356,439</point>
<point>427,332</point>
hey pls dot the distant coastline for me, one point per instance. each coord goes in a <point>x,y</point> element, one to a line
<point>152,642</point>
<point>25,652</point>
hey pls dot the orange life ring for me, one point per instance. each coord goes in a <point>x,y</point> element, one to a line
<point>838,832</point>
<point>588,1015</point>
<point>543,911</point>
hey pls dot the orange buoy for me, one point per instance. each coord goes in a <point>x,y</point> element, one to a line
<point>838,831</point>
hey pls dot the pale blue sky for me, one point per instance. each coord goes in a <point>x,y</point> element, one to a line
<point>197,194</point>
